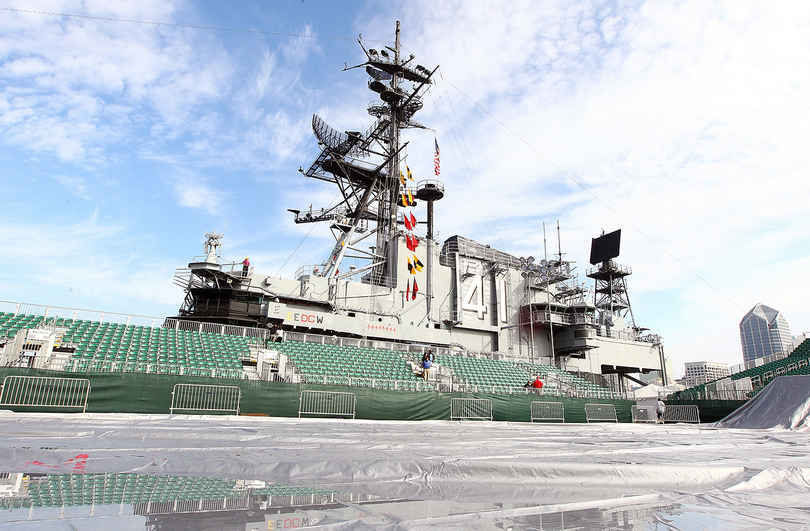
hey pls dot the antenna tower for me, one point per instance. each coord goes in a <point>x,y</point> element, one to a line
<point>365,166</point>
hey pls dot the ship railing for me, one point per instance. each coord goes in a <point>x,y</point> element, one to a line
<point>618,334</point>
<point>544,316</point>
<point>257,334</point>
<point>308,271</point>
<point>610,265</point>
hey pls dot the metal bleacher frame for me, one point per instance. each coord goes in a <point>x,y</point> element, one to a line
<point>328,403</point>
<point>600,413</point>
<point>682,413</point>
<point>205,398</point>
<point>44,391</point>
<point>547,411</point>
<point>470,409</point>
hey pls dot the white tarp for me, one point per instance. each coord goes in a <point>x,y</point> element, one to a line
<point>719,478</point>
<point>784,403</point>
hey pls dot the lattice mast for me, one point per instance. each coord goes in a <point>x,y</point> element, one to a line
<point>370,190</point>
<point>610,284</point>
<point>387,209</point>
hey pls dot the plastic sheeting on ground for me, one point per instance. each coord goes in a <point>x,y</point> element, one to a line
<point>784,403</point>
<point>730,478</point>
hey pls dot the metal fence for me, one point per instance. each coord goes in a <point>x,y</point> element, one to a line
<point>470,408</point>
<point>552,411</point>
<point>643,413</point>
<point>45,391</point>
<point>600,413</point>
<point>206,398</point>
<point>328,403</point>
<point>675,413</point>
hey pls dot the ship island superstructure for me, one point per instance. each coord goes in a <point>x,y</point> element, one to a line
<point>409,287</point>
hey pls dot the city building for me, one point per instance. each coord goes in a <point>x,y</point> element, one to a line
<point>701,372</point>
<point>763,332</point>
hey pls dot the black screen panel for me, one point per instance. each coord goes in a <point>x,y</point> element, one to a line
<point>605,247</point>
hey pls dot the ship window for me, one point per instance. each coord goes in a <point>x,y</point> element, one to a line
<point>351,314</point>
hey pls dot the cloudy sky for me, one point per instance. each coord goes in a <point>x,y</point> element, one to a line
<point>685,124</point>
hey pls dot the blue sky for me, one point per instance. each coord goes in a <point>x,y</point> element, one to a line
<point>683,124</point>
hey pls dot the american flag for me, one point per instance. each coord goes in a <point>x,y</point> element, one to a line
<point>436,165</point>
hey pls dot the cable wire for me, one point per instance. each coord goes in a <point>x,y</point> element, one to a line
<point>188,26</point>
<point>596,197</point>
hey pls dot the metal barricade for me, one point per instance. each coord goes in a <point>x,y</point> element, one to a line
<point>206,398</point>
<point>552,411</point>
<point>470,408</point>
<point>45,392</point>
<point>688,413</point>
<point>328,403</point>
<point>600,413</point>
<point>643,413</point>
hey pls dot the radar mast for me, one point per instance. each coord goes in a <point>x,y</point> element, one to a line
<point>366,167</point>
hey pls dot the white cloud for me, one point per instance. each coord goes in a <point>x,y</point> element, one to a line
<point>73,84</point>
<point>84,264</point>
<point>191,191</point>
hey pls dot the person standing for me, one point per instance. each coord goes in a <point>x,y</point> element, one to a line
<point>425,367</point>
<point>245,266</point>
<point>660,408</point>
<point>279,335</point>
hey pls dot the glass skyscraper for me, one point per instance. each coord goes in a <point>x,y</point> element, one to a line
<point>763,331</point>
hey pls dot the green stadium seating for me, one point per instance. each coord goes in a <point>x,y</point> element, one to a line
<point>795,363</point>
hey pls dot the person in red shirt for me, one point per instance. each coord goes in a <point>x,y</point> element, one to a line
<point>537,383</point>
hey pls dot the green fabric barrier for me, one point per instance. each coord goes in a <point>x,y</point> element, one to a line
<point>123,392</point>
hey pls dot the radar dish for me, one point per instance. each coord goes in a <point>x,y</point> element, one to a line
<point>333,139</point>
<point>605,247</point>
<point>378,74</point>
